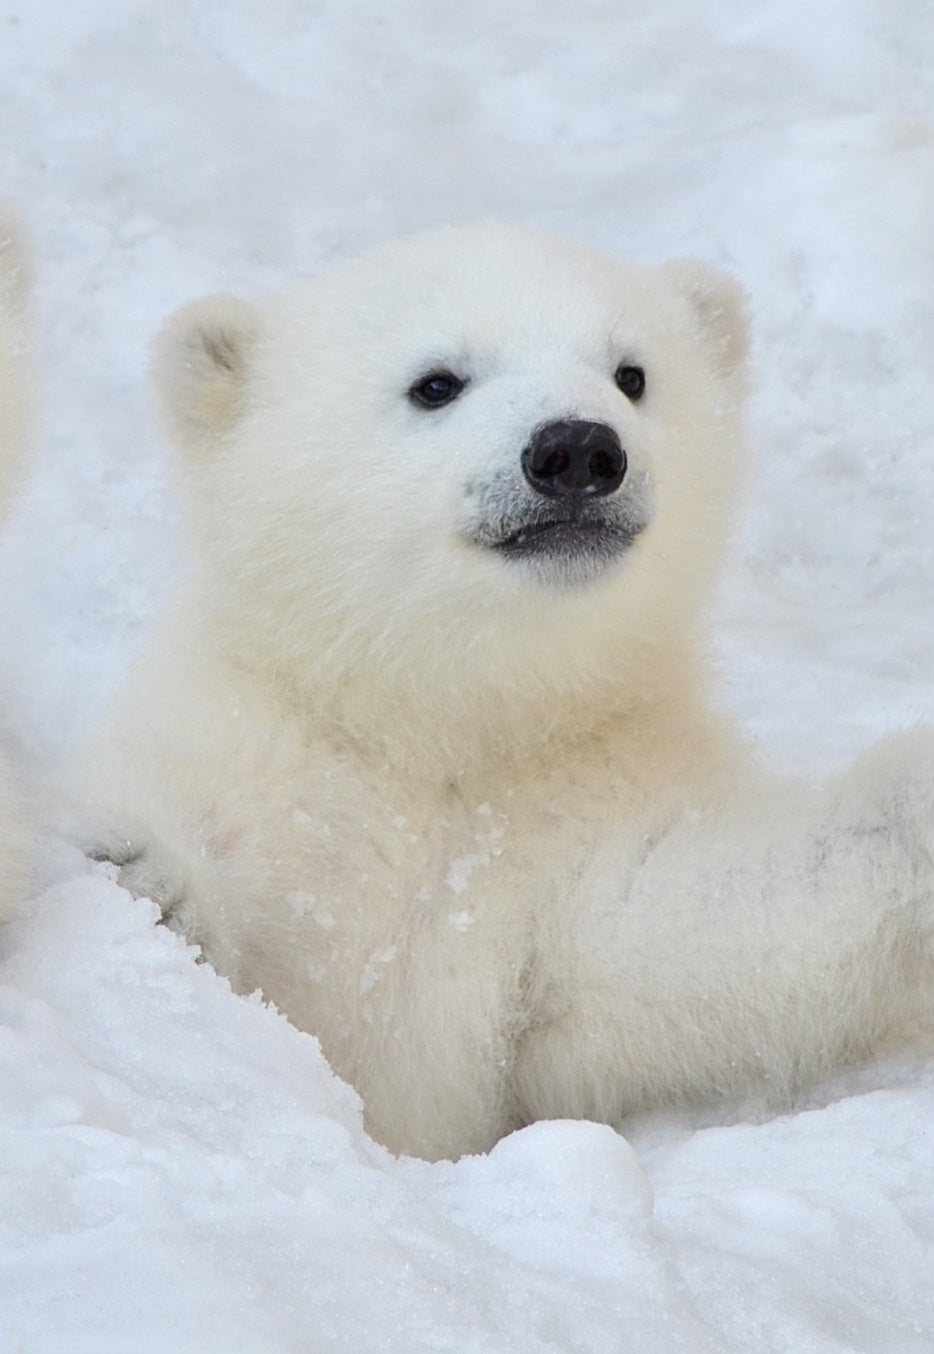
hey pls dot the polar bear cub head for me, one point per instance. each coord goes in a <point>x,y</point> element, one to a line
<point>477,458</point>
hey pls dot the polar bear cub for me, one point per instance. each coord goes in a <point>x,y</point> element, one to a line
<point>14,417</point>
<point>426,751</point>
<point>15,393</point>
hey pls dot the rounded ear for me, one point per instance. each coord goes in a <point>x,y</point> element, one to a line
<point>721,307</point>
<point>201,364</point>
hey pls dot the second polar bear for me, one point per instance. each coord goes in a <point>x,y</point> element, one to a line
<point>15,405</point>
<point>426,751</point>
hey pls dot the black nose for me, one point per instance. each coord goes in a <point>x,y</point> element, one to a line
<point>574,456</point>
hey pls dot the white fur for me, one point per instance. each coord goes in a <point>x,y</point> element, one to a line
<point>474,824</point>
<point>15,393</point>
<point>14,411</point>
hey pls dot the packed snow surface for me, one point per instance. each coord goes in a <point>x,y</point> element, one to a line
<point>179,1169</point>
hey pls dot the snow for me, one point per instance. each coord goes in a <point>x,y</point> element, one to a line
<point>179,1170</point>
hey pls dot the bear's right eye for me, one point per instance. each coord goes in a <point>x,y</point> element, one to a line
<point>631,381</point>
<point>436,389</point>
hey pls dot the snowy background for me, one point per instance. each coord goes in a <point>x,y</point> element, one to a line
<point>179,1171</point>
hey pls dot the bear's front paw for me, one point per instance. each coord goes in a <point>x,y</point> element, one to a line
<point>113,847</point>
<point>149,874</point>
<point>143,870</point>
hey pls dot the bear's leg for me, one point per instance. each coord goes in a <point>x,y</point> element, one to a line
<point>762,944</point>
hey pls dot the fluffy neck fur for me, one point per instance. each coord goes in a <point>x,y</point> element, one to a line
<point>445,710</point>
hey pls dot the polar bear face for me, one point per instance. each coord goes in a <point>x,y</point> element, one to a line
<point>478,444</point>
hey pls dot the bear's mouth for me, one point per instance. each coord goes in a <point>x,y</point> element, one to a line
<point>568,538</point>
<point>571,540</point>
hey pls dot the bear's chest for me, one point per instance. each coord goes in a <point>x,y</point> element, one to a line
<point>367,876</point>
<point>379,888</point>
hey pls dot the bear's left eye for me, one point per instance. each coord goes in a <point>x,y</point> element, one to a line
<point>631,381</point>
<point>436,389</point>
